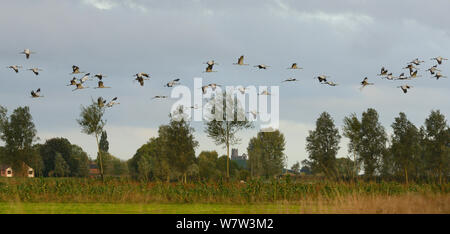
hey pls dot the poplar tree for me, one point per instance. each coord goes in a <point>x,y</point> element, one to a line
<point>405,144</point>
<point>92,122</point>
<point>266,154</point>
<point>437,146</point>
<point>322,145</point>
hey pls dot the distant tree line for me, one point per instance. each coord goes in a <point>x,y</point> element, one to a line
<point>408,153</point>
<point>57,157</point>
<point>171,155</point>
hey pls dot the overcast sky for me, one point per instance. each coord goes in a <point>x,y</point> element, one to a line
<point>347,40</point>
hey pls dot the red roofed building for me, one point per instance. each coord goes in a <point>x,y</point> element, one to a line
<point>93,170</point>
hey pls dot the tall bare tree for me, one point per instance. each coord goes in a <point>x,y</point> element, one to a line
<point>223,130</point>
<point>92,123</point>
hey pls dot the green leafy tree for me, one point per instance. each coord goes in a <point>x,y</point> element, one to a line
<point>352,130</point>
<point>367,141</point>
<point>76,159</point>
<point>422,165</point>
<point>436,143</point>
<point>233,166</point>
<point>224,130</point>
<point>92,123</point>
<point>50,149</point>
<point>306,167</point>
<point>61,168</point>
<point>207,163</point>
<point>35,161</point>
<point>113,166</point>
<point>120,168</point>
<point>296,167</point>
<point>322,145</point>
<point>405,146</point>
<point>389,167</point>
<point>2,155</point>
<point>193,171</point>
<point>170,155</point>
<point>78,162</point>
<point>18,132</point>
<point>266,154</point>
<point>143,168</point>
<point>373,142</point>
<point>152,153</point>
<point>104,144</point>
<point>345,167</point>
<point>178,143</point>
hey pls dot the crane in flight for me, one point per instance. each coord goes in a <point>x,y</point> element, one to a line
<point>294,67</point>
<point>85,78</point>
<point>240,61</point>
<point>211,63</point>
<point>330,83</point>
<point>27,53</point>
<point>322,78</point>
<point>159,97</point>
<point>290,80</point>
<point>35,70</point>
<point>404,88</point>
<point>140,77</point>
<point>73,81</point>
<point>414,75</point>
<point>402,76</point>
<point>389,76</point>
<point>417,61</point>
<point>439,75</point>
<point>172,83</point>
<point>76,70</point>
<point>365,82</point>
<point>100,82</point>
<point>261,66</point>
<point>383,72</point>
<point>99,76</point>
<point>36,94</point>
<point>101,102</point>
<point>433,69</point>
<point>209,68</point>
<point>15,68</point>
<point>101,85</point>
<point>112,102</point>
<point>79,86</point>
<point>439,59</point>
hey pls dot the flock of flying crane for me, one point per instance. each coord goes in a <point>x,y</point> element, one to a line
<point>411,66</point>
<point>141,77</point>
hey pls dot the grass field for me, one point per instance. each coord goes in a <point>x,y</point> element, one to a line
<point>118,196</point>
<point>406,204</point>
